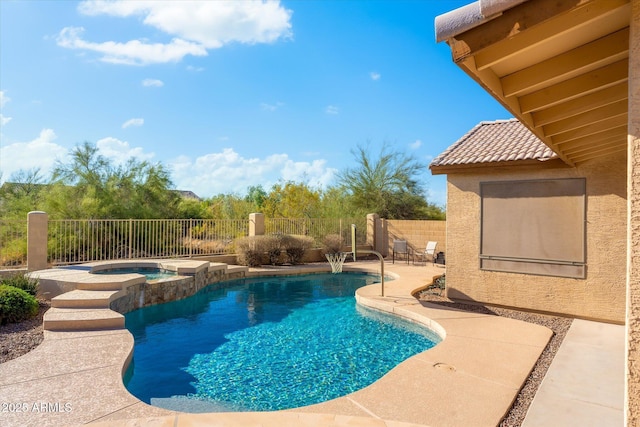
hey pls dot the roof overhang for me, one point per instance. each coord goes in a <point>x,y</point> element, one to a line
<point>478,168</point>
<point>560,66</point>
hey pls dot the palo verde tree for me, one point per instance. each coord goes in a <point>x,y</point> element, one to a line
<point>387,185</point>
<point>91,186</point>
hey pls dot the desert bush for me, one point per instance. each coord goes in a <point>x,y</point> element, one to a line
<point>296,246</point>
<point>250,251</point>
<point>16,305</point>
<point>332,244</point>
<point>22,281</point>
<point>272,244</point>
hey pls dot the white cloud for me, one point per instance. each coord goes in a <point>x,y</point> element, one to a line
<point>40,153</point>
<point>133,52</point>
<point>152,83</point>
<point>271,107</point>
<point>374,76</point>
<point>332,109</point>
<point>3,98</point>
<point>415,145</point>
<point>211,24</point>
<point>194,69</point>
<point>133,122</point>
<point>120,151</point>
<point>315,173</point>
<point>228,172</point>
<point>195,25</point>
<point>3,101</point>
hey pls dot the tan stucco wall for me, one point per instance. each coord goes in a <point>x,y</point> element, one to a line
<point>601,296</point>
<point>417,233</point>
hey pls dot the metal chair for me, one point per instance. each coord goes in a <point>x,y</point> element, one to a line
<point>430,251</point>
<point>400,247</point>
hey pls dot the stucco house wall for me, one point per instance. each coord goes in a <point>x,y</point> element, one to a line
<point>600,296</point>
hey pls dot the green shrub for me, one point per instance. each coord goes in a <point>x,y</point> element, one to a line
<point>22,281</point>
<point>16,305</point>
<point>296,246</point>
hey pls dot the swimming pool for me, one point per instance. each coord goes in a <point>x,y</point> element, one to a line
<point>266,344</point>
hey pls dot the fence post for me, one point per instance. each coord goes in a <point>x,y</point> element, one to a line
<point>130,237</point>
<point>37,233</point>
<point>190,237</point>
<point>372,231</point>
<point>256,224</point>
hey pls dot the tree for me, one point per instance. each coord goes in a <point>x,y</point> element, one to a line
<point>91,187</point>
<point>256,195</point>
<point>388,185</point>
<point>292,200</point>
<point>229,206</point>
<point>22,194</point>
<point>335,202</point>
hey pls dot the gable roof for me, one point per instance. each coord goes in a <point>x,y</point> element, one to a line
<point>502,142</point>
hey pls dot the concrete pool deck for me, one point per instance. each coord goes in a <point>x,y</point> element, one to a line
<point>469,379</point>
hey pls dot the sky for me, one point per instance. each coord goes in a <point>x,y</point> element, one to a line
<point>228,95</point>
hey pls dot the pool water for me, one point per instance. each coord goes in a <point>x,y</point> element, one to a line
<point>266,344</point>
<point>149,273</point>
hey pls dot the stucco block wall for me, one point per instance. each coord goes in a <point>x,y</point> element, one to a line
<point>417,233</point>
<point>601,296</point>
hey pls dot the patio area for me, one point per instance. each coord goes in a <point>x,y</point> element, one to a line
<point>470,378</point>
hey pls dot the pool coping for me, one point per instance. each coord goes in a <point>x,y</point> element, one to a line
<point>470,378</point>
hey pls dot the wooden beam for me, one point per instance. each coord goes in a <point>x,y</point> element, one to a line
<point>584,84</point>
<point>609,144</point>
<point>527,30</point>
<point>595,116</point>
<point>595,154</point>
<point>572,63</point>
<point>580,105</point>
<point>610,123</point>
<point>595,138</point>
<point>536,18</point>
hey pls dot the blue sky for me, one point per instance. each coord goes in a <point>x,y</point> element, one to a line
<point>232,94</point>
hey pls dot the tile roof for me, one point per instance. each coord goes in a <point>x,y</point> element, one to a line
<point>492,142</point>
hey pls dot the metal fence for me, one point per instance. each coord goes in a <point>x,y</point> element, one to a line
<point>13,243</point>
<point>75,241</point>
<point>318,228</point>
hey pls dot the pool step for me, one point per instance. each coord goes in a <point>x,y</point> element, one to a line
<point>234,270</point>
<point>81,298</point>
<point>107,282</point>
<point>77,319</point>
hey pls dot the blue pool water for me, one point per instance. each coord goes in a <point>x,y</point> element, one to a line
<point>266,344</point>
<point>150,273</point>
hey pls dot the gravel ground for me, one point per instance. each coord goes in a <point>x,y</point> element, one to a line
<point>559,326</point>
<point>17,339</point>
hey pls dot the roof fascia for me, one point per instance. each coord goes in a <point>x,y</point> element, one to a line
<point>483,167</point>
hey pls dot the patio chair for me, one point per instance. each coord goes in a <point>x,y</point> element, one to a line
<point>400,247</point>
<point>430,251</point>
